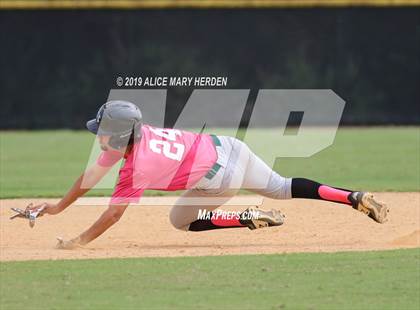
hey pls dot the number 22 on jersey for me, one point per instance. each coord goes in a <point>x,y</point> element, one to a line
<point>169,148</point>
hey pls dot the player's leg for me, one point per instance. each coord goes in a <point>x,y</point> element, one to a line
<point>257,173</point>
<point>362,201</point>
<point>188,211</point>
<point>211,192</point>
<point>191,213</point>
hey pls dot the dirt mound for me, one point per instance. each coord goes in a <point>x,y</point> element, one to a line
<point>411,240</point>
<point>311,226</point>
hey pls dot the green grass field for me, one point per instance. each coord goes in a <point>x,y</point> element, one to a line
<point>366,280</point>
<point>46,163</point>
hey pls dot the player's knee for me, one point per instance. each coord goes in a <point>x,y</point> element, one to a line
<point>180,226</point>
<point>177,223</point>
<point>278,187</point>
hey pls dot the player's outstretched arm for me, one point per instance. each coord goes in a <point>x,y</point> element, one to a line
<point>107,219</point>
<point>83,184</point>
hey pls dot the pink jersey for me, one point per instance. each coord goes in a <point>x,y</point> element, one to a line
<point>164,159</point>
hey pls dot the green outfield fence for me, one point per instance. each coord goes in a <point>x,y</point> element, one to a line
<point>138,4</point>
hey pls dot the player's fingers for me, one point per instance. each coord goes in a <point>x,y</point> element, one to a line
<point>42,209</point>
<point>34,208</point>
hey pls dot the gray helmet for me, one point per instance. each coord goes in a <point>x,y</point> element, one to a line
<point>118,119</point>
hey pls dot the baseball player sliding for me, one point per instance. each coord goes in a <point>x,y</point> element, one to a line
<point>206,166</point>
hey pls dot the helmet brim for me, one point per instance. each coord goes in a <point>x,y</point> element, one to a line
<point>96,128</point>
<point>92,126</point>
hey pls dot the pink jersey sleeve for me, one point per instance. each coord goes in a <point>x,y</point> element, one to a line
<point>124,191</point>
<point>109,158</point>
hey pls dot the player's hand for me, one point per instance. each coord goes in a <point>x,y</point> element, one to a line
<point>43,208</point>
<point>68,244</point>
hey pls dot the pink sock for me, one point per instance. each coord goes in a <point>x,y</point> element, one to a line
<point>333,194</point>
<point>226,222</point>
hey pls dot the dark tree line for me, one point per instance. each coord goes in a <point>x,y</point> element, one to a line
<point>57,66</point>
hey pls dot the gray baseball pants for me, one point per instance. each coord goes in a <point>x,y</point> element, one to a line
<point>236,167</point>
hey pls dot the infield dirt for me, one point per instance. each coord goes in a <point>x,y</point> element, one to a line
<point>145,231</point>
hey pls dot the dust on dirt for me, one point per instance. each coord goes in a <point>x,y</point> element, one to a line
<point>145,231</point>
